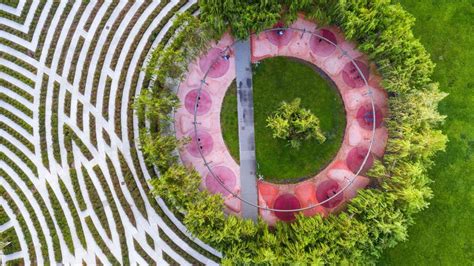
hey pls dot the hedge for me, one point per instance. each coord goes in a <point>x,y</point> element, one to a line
<point>113,206</point>
<point>17,90</point>
<point>97,205</point>
<point>69,36</point>
<point>15,103</point>
<point>42,121</point>
<point>100,242</point>
<point>118,190</point>
<point>58,30</point>
<point>61,219</point>
<point>23,140</point>
<point>10,236</point>
<point>75,214</point>
<point>45,29</point>
<point>92,46</point>
<point>21,219</point>
<point>24,227</point>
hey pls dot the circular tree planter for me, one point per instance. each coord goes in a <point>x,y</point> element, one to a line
<point>347,68</point>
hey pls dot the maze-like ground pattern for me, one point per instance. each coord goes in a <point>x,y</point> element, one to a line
<point>73,183</point>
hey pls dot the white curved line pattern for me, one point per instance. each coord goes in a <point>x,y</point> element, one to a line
<point>73,183</point>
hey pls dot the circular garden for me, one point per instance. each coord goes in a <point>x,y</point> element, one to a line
<point>374,218</point>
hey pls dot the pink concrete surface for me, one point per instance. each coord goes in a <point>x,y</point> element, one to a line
<point>212,95</point>
<point>338,173</point>
<point>226,175</point>
<point>286,202</point>
<point>357,136</point>
<point>306,193</point>
<point>215,62</point>
<point>233,204</point>
<point>328,189</point>
<point>320,46</point>
<point>279,37</point>
<point>365,116</point>
<point>351,75</point>
<point>204,103</point>
<point>343,176</point>
<point>203,142</point>
<point>267,192</point>
<point>356,157</point>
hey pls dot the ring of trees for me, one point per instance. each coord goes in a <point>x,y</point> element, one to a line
<point>213,71</point>
<point>375,219</point>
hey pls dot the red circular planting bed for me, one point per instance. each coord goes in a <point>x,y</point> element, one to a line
<point>326,190</point>
<point>321,46</point>
<point>215,63</point>
<point>204,103</point>
<point>351,75</point>
<point>365,117</point>
<point>286,202</point>
<point>356,157</point>
<point>227,177</point>
<point>203,142</point>
<point>279,37</point>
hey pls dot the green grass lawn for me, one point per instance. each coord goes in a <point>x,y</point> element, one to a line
<point>282,79</point>
<point>444,233</point>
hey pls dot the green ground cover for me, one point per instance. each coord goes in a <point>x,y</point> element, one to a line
<point>283,79</point>
<point>444,233</point>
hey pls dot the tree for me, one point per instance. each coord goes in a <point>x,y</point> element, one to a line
<point>168,64</point>
<point>293,123</point>
<point>157,106</point>
<point>240,16</point>
<point>178,185</point>
<point>158,149</point>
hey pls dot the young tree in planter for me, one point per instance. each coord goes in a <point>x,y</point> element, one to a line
<point>295,124</point>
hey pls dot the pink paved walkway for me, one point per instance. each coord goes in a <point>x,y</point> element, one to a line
<point>355,143</point>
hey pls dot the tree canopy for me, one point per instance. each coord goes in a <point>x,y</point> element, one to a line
<point>295,124</point>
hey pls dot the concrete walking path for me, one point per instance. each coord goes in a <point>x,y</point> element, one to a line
<point>248,178</point>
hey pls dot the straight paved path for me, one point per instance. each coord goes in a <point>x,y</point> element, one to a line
<point>248,178</point>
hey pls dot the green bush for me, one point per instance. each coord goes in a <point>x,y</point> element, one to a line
<point>242,17</point>
<point>295,124</point>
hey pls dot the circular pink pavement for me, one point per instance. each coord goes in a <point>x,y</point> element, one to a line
<point>279,37</point>
<point>215,62</point>
<point>226,175</point>
<point>203,142</point>
<point>351,75</point>
<point>204,102</point>
<point>286,202</point>
<point>279,196</point>
<point>320,46</point>
<point>365,117</point>
<point>326,190</point>
<point>356,157</point>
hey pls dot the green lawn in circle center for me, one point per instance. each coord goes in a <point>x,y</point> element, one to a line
<point>284,79</point>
